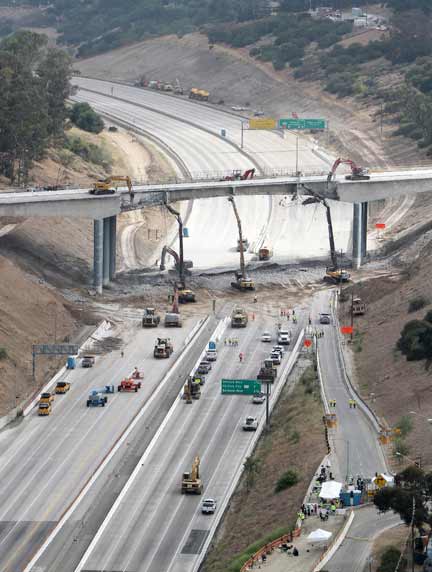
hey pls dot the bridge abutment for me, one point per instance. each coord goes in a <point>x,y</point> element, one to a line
<point>104,248</point>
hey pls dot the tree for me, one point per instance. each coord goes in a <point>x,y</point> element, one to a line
<point>84,117</point>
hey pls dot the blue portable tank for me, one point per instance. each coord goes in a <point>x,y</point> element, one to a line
<point>223,132</point>
<point>212,345</point>
<point>186,232</point>
<point>71,362</point>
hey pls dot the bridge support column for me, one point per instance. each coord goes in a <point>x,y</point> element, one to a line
<point>364,229</point>
<point>98,228</point>
<point>113,247</point>
<point>106,250</point>
<point>357,235</point>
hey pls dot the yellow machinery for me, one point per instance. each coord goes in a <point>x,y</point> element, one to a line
<point>105,186</point>
<point>44,408</point>
<point>239,318</point>
<point>242,282</point>
<point>191,482</point>
<point>199,94</point>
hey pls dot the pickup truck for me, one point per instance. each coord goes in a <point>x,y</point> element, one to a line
<point>44,409</point>
<point>46,398</point>
<point>250,424</point>
<point>96,399</point>
<point>204,367</point>
<point>284,338</point>
<point>62,387</point>
<point>87,361</point>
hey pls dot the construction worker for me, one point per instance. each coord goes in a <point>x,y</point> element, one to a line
<point>241,357</point>
<point>294,319</point>
<point>350,402</point>
<point>122,353</point>
<point>255,299</point>
<point>310,321</point>
<point>354,402</point>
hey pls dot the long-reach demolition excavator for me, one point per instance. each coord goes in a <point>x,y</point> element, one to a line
<point>184,294</point>
<point>334,273</point>
<point>106,187</point>
<point>242,282</point>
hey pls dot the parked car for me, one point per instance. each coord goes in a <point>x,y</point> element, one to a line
<point>204,367</point>
<point>46,397</point>
<point>208,506</point>
<point>250,424</point>
<point>278,349</point>
<point>211,355</point>
<point>266,337</point>
<point>324,319</point>
<point>276,358</point>
<point>62,387</point>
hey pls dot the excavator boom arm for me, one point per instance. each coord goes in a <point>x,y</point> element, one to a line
<point>242,262</point>
<point>181,257</point>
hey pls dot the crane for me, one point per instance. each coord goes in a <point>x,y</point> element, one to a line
<point>242,281</point>
<point>333,272</point>
<point>184,295</point>
<point>357,173</point>
<point>104,186</point>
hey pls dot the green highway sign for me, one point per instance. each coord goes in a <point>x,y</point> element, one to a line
<point>302,123</point>
<point>240,386</point>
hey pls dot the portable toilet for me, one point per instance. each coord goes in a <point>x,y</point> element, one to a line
<point>185,232</point>
<point>71,362</point>
<point>223,132</point>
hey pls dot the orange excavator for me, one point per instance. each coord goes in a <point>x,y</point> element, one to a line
<point>357,173</point>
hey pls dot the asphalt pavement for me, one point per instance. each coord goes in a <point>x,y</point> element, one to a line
<point>45,461</point>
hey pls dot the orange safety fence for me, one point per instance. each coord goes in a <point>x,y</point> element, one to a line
<point>268,549</point>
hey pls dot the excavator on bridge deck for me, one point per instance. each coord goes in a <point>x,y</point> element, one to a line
<point>185,295</point>
<point>239,176</point>
<point>242,282</point>
<point>105,186</point>
<point>357,173</point>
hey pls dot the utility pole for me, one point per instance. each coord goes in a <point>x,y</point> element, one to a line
<point>267,405</point>
<point>242,136</point>
<point>352,315</point>
<point>297,155</point>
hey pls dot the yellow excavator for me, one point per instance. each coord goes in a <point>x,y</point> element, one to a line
<point>191,482</point>
<point>106,187</point>
<point>242,282</point>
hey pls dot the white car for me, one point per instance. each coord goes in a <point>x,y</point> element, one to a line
<point>278,349</point>
<point>208,506</point>
<point>266,337</point>
<point>276,358</point>
<point>250,424</point>
<point>211,355</point>
<point>258,398</point>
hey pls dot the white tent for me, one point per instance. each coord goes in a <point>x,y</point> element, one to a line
<point>319,535</point>
<point>330,490</point>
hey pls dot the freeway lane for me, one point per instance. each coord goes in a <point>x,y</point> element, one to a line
<point>355,442</point>
<point>292,230</point>
<point>45,461</point>
<point>155,527</point>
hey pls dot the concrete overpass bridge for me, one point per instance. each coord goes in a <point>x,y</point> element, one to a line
<point>104,209</point>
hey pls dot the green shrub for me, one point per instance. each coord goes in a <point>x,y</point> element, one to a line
<point>84,117</point>
<point>88,151</point>
<point>390,559</point>
<point>415,341</point>
<point>405,425</point>
<point>418,303</point>
<point>286,481</point>
<point>253,52</point>
<point>399,446</point>
<point>3,353</point>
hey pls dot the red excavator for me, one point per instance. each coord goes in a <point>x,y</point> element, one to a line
<point>239,176</point>
<point>357,173</point>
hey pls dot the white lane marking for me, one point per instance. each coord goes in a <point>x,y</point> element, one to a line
<point>111,454</point>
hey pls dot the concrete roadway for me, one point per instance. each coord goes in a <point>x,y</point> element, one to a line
<point>45,461</point>
<point>355,442</point>
<point>292,230</point>
<point>156,528</point>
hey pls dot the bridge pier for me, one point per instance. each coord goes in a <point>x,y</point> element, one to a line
<point>360,221</point>
<point>104,249</point>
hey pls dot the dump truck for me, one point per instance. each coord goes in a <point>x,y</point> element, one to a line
<point>150,318</point>
<point>358,307</point>
<point>192,388</point>
<point>44,409</point>
<point>267,372</point>
<point>46,397</point>
<point>185,295</point>
<point>88,361</point>
<point>199,94</point>
<point>62,387</point>
<point>129,384</point>
<point>163,348</point>
<point>239,318</point>
<point>96,400</point>
<point>172,320</point>
<point>191,481</point>
<point>264,253</point>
